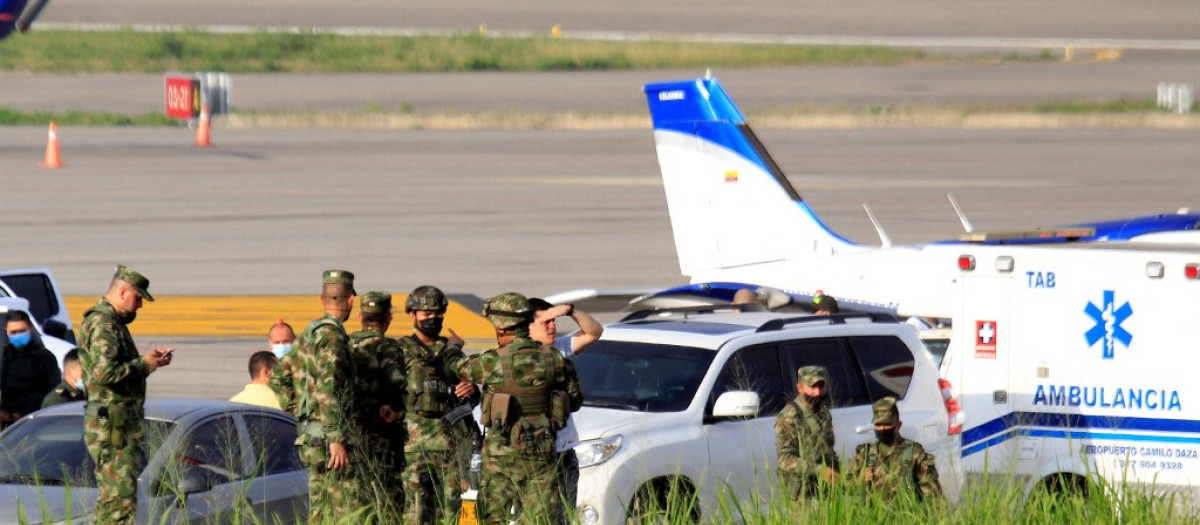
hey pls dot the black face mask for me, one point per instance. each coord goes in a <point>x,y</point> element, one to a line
<point>813,400</point>
<point>430,327</point>
<point>886,436</point>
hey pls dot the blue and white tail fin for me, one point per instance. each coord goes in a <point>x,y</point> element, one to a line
<point>730,204</point>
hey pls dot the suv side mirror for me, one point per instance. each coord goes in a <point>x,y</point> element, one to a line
<point>736,404</point>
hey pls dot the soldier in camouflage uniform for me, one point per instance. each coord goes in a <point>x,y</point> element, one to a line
<point>114,376</point>
<point>529,392</point>
<point>804,436</point>
<point>307,381</point>
<point>71,387</point>
<point>433,475</point>
<point>378,384</point>
<point>893,467</point>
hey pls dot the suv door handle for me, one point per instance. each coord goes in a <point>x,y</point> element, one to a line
<point>864,429</point>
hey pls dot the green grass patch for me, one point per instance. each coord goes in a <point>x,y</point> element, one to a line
<point>12,117</point>
<point>1142,105</point>
<point>315,52</point>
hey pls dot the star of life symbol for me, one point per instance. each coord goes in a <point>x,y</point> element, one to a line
<point>1108,317</point>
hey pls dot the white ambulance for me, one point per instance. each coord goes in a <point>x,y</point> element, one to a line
<point>1078,360</point>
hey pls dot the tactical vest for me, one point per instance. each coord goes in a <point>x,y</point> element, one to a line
<point>908,479</point>
<point>431,390</point>
<point>524,416</point>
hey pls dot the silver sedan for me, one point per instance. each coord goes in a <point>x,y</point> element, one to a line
<point>206,461</point>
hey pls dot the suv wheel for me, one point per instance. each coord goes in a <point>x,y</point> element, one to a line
<point>664,501</point>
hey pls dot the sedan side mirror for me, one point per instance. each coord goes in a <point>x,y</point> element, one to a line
<point>196,480</point>
<point>736,404</point>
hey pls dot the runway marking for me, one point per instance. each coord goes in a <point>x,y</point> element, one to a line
<point>252,315</point>
<point>634,36</point>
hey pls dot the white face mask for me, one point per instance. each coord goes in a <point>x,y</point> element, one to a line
<point>280,349</point>
<point>79,383</point>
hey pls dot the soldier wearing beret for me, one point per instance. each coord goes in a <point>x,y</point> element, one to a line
<point>894,467</point>
<point>378,383</point>
<point>433,471</point>
<point>529,392</point>
<point>308,381</point>
<point>804,436</point>
<point>114,376</point>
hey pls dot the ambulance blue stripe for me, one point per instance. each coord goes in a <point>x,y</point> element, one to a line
<point>1015,424</point>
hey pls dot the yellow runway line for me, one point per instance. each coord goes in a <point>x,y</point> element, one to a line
<point>252,315</point>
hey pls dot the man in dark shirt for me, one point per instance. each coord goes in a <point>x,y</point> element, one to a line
<point>71,387</point>
<point>29,370</point>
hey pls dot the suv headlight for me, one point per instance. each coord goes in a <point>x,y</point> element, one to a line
<point>597,451</point>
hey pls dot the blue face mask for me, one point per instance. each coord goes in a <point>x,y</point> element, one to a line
<point>20,340</point>
<point>79,384</point>
<point>280,349</point>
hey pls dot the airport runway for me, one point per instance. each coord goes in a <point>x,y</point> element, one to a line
<point>484,212</point>
<point>1162,19</point>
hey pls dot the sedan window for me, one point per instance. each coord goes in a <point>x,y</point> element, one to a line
<point>50,450</point>
<point>214,447</point>
<point>272,445</point>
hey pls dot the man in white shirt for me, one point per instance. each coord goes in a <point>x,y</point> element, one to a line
<point>544,330</point>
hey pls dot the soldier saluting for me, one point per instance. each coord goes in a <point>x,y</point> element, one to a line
<point>309,383</point>
<point>114,376</point>
<point>894,467</point>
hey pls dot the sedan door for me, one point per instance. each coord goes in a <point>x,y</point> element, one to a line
<point>278,488</point>
<point>207,469</point>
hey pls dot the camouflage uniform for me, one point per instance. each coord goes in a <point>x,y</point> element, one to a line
<point>377,378</point>
<point>529,390</point>
<point>898,471</point>
<point>307,382</point>
<point>804,439</point>
<point>63,393</point>
<point>114,376</point>
<point>433,474</point>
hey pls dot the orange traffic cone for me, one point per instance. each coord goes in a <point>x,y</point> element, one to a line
<point>202,131</point>
<point>53,158</point>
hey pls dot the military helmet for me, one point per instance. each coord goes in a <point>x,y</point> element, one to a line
<point>508,310</point>
<point>426,298</point>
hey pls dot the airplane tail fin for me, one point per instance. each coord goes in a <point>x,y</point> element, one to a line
<point>730,203</point>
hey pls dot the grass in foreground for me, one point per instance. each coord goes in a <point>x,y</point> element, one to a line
<point>314,52</point>
<point>12,117</point>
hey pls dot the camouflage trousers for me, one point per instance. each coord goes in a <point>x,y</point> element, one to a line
<point>334,496</point>
<point>432,487</point>
<point>117,469</point>
<point>528,481</point>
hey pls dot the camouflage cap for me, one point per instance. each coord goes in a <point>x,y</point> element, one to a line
<point>338,277</point>
<point>508,310</point>
<point>426,298</point>
<point>376,303</point>
<point>824,303</point>
<point>812,374</point>
<point>885,412</point>
<point>131,276</point>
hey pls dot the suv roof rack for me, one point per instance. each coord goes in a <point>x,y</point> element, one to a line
<point>640,315</point>
<point>779,324</point>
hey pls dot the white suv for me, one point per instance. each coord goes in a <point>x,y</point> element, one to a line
<point>687,401</point>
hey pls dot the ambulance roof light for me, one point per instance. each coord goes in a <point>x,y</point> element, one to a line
<point>966,262</point>
<point>1004,264</point>
<point>1155,270</point>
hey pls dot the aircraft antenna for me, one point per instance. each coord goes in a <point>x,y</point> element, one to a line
<point>962,217</point>
<point>884,240</point>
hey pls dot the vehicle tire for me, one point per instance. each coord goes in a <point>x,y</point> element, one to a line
<point>663,501</point>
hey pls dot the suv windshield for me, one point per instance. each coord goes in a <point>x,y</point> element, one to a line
<point>50,451</point>
<point>641,376</point>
